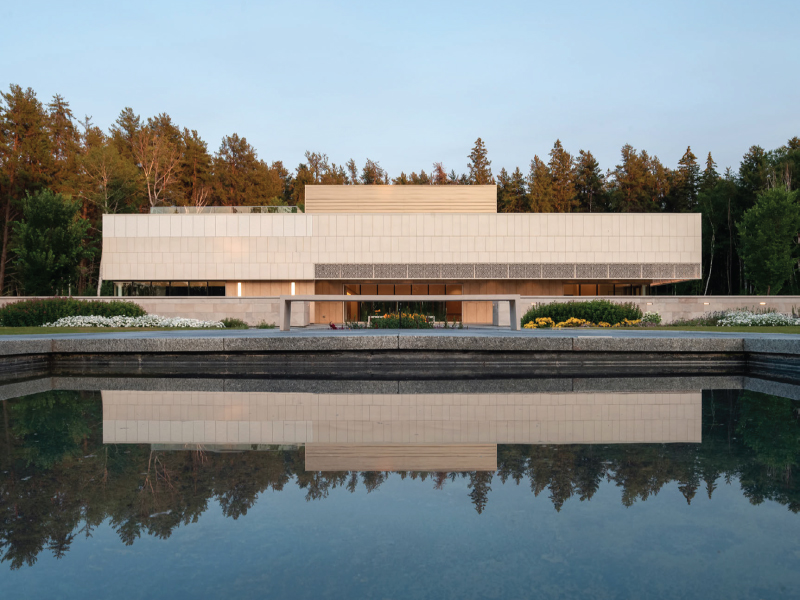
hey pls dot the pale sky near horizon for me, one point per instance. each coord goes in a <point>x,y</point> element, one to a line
<point>411,83</point>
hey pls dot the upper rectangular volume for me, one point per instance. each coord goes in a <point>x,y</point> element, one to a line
<point>401,199</point>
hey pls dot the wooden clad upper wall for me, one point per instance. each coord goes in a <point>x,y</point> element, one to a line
<point>401,199</point>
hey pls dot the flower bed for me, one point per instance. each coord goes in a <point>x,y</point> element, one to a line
<point>746,318</point>
<point>592,311</point>
<point>145,321</point>
<point>406,321</point>
<point>548,323</point>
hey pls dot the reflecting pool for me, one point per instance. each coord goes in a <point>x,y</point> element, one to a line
<point>148,488</point>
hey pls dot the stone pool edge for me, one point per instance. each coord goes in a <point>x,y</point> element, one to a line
<point>393,354</point>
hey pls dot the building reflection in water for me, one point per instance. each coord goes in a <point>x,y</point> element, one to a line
<point>149,462</point>
<point>389,432</point>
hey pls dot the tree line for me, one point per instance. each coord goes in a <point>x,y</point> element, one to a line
<point>61,174</point>
<point>59,481</point>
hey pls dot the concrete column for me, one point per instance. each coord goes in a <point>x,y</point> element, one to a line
<point>285,314</point>
<point>513,315</point>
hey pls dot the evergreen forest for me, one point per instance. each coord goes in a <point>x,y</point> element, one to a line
<point>59,174</point>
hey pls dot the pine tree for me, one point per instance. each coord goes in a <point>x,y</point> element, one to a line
<point>26,157</point>
<point>284,179</point>
<point>753,174</point>
<point>659,182</point>
<point>512,196</point>
<point>589,184</point>
<point>540,184</point>
<point>401,180</point>
<point>373,173</point>
<point>334,175</point>
<point>303,176</point>
<point>785,165</point>
<point>633,185</point>
<point>683,197</point>
<point>194,171</point>
<point>439,174</point>
<point>317,164</point>
<point>65,145</point>
<point>352,171</point>
<point>503,195</point>
<point>562,174</point>
<point>127,125</point>
<point>242,179</point>
<point>518,192</point>
<point>710,175</point>
<point>480,167</point>
<point>421,179</point>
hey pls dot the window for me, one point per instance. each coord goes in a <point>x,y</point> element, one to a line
<point>198,288</point>
<point>216,288</point>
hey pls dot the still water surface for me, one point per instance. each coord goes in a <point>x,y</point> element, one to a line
<point>153,494</point>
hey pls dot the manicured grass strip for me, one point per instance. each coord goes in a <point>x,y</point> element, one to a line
<point>778,329</point>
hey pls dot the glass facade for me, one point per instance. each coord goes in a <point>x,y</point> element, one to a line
<point>172,288</point>
<point>602,289</point>
<point>440,311</point>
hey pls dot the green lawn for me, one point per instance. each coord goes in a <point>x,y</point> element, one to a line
<point>783,329</point>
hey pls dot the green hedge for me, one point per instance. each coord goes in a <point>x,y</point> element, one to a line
<point>592,310</point>
<point>33,313</point>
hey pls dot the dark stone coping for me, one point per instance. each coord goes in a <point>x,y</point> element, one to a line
<point>323,386</point>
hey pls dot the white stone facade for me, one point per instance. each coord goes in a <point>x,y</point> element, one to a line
<point>288,247</point>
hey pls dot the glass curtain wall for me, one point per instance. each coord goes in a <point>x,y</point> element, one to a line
<point>602,289</point>
<point>173,288</point>
<point>362,311</point>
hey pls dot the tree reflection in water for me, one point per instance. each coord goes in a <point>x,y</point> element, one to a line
<point>59,480</point>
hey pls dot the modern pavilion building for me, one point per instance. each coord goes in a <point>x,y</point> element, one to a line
<point>387,239</point>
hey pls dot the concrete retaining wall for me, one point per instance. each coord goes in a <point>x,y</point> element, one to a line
<point>255,309</point>
<point>252,310</point>
<point>671,308</point>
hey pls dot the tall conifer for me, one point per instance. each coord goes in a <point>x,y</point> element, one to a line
<point>480,167</point>
<point>26,157</point>
<point>540,184</point>
<point>562,176</point>
<point>589,184</point>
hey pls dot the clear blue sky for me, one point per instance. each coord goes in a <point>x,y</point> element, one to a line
<point>410,83</point>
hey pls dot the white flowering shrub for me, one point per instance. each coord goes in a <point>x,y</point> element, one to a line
<point>145,321</point>
<point>651,318</point>
<point>746,318</point>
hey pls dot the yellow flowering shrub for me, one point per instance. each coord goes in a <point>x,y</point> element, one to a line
<point>571,322</point>
<point>541,322</point>
<point>547,322</point>
<point>628,323</point>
